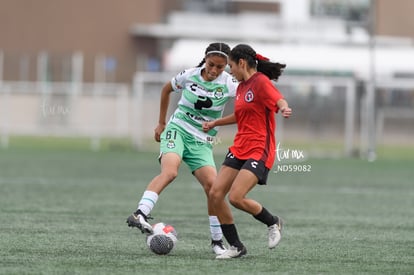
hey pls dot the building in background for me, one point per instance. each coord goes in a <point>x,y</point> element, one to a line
<point>115,38</point>
<point>97,30</point>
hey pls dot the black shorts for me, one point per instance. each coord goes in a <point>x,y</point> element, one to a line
<point>257,167</point>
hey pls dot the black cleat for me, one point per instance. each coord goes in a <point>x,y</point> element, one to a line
<point>139,221</point>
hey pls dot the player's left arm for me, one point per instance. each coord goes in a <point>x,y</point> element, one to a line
<point>284,108</point>
<point>271,95</point>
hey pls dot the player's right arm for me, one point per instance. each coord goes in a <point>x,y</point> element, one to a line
<point>164,102</point>
<point>229,119</point>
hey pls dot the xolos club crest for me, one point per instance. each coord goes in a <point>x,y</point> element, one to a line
<point>248,97</point>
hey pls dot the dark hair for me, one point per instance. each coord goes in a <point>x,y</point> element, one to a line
<point>215,49</point>
<point>271,69</point>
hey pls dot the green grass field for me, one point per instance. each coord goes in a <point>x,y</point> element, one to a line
<point>63,211</point>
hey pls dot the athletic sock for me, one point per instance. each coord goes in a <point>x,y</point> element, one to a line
<point>266,217</point>
<point>230,233</point>
<point>147,202</point>
<point>215,228</point>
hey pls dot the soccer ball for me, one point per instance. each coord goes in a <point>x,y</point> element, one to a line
<point>163,240</point>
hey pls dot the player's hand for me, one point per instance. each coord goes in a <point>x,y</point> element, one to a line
<point>207,126</point>
<point>158,131</point>
<point>286,112</point>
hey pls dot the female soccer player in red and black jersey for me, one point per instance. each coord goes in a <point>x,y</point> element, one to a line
<point>253,152</point>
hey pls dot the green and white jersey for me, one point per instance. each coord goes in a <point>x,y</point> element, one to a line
<point>201,101</point>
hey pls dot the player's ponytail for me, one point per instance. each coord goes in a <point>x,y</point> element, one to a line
<point>254,60</point>
<point>218,48</point>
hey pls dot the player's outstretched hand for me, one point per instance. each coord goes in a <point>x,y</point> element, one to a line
<point>286,112</point>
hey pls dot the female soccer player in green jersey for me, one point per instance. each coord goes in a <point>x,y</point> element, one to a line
<point>205,90</point>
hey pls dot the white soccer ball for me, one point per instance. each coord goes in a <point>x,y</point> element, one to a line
<point>163,240</point>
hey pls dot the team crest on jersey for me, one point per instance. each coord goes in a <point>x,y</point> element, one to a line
<point>218,93</point>
<point>171,144</point>
<point>248,97</point>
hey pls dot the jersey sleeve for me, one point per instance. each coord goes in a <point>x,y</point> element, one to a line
<point>271,94</point>
<point>178,81</point>
<point>232,85</point>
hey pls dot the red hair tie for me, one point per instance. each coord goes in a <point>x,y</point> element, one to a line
<point>261,57</point>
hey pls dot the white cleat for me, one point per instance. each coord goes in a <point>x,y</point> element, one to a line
<point>233,252</point>
<point>218,247</point>
<point>275,233</point>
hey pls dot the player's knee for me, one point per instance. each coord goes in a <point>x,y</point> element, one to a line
<point>236,201</point>
<point>208,184</point>
<point>170,175</point>
<point>212,195</point>
<point>215,195</point>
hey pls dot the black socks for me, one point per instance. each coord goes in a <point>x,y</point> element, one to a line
<point>230,233</point>
<point>265,217</point>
